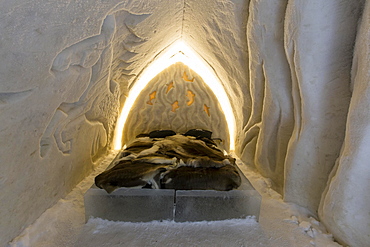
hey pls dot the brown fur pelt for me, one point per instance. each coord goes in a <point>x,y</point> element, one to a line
<point>191,178</point>
<point>173,162</point>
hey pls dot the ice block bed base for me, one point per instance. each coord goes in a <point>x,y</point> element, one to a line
<point>144,205</point>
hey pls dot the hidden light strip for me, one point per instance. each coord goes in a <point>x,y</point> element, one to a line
<point>178,52</point>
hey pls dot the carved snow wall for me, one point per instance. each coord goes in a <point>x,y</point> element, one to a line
<point>67,67</point>
<point>176,99</point>
<point>301,55</point>
<point>345,204</point>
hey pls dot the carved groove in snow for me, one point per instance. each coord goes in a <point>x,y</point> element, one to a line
<point>179,103</point>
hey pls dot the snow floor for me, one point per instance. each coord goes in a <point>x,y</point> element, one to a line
<point>280,224</point>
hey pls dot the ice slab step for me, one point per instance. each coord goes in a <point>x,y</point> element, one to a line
<point>199,205</point>
<point>133,205</point>
<point>143,205</point>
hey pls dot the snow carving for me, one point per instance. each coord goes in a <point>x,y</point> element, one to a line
<point>10,98</point>
<point>186,78</point>
<point>268,130</point>
<point>169,87</point>
<point>206,110</point>
<point>125,65</point>
<point>180,104</point>
<point>89,57</point>
<point>151,97</point>
<point>320,90</point>
<point>86,53</point>
<point>60,97</point>
<point>285,66</point>
<point>175,106</point>
<point>191,97</point>
<point>91,62</point>
<point>345,204</point>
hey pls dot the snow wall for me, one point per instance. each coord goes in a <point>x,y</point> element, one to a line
<point>297,86</point>
<point>176,99</point>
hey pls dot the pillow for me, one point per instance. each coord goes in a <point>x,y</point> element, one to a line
<point>199,133</point>
<point>161,133</point>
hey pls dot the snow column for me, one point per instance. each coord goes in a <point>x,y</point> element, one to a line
<point>319,39</point>
<point>345,207</point>
<point>270,125</point>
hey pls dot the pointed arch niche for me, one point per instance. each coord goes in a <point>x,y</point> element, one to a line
<point>177,91</point>
<point>177,99</point>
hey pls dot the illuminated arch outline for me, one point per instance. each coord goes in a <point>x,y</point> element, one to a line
<point>177,52</point>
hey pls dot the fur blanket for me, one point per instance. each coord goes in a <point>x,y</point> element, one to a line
<point>174,162</point>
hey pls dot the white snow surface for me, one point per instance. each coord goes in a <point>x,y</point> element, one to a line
<point>280,224</point>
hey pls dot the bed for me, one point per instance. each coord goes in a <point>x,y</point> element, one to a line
<point>164,159</point>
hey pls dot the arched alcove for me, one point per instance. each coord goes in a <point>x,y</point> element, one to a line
<point>179,51</point>
<point>177,99</point>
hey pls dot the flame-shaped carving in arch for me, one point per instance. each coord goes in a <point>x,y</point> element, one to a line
<point>179,104</point>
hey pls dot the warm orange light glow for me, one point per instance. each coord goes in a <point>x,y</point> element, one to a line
<point>175,106</point>
<point>191,97</point>
<point>178,52</point>
<point>206,109</point>
<point>151,97</point>
<point>186,78</point>
<point>169,87</point>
